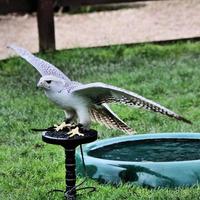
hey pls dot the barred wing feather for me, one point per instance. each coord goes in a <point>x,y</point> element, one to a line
<point>43,67</point>
<point>100,93</point>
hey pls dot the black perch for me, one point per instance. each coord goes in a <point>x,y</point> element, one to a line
<point>69,144</point>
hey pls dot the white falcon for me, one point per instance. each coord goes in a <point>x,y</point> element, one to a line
<point>86,102</point>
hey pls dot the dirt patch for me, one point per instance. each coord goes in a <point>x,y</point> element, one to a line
<point>152,21</point>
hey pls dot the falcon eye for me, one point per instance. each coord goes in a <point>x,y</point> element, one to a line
<point>48,82</point>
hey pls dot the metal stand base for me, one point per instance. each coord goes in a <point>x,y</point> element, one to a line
<point>69,144</point>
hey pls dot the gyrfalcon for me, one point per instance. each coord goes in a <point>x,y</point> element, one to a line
<point>84,103</point>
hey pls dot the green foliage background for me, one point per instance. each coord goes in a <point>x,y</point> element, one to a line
<point>168,74</point>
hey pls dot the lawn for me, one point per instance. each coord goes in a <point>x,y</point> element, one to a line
<point>29,168</point>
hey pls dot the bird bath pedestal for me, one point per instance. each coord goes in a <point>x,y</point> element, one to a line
<point>69,144</point>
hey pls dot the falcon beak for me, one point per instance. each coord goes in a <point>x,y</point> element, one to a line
<point>43,84</point>
<point>39,85</point>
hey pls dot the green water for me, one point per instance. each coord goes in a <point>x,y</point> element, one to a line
<point>151,150</point>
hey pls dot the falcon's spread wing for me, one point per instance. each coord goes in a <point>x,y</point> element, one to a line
<point>102,93</point>
<point>41,65</point>
<point>104,115</point>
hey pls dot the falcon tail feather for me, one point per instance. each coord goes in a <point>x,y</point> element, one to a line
<point>104,115</point>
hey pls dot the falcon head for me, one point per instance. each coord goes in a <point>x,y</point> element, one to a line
<point>52,83</point>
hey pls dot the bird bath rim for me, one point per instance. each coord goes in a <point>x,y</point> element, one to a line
<point>140,137</point>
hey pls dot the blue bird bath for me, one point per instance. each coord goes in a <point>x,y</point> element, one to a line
<point>152,160</point>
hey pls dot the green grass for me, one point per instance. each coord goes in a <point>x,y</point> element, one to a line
<point>29,168</point>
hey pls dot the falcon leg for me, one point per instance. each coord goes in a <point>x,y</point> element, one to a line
<point>67,121</point>
<point>70,117</point>
<point>67,124</point>
<point>84,120</point>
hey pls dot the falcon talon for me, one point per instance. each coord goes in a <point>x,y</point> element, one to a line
<point>61,126</point>
<point>75,131</point>
<point>81,128</point>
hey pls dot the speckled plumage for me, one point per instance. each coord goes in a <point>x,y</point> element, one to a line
<point>86,102</point>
